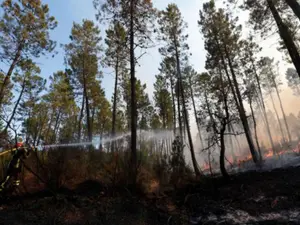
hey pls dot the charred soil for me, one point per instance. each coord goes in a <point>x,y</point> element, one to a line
<point>248,198</point>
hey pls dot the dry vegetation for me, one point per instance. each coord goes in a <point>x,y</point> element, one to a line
<point>90,187</point>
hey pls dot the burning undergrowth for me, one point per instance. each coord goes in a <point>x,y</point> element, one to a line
<point>270,160</point>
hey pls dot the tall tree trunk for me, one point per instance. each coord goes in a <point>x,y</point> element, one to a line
<point>284,116</point>
<point>93,116</point>
<point>278,119</point>
<point>194,161</point>
<point>114,113</point>
<point>15,107</point>
<point>222,154</point>
<point>56,125</point>
<point>43,123</point>
<point>208,109</point>
<point>209,162</point>
<point>286,36</point>
<point>224,123</point>
<point>87,105</point>
<point>241,108</point>
<point>262,105</point>
<point>195,113</point>
<point>49,127</point>
<point>183,123</point>
<point>10,71</point>
<point>173,105</point>
<point>164,120</point>
<point>80,118</point>
<point>295,6</point>
<point>133,96</point>
<point>237,141</point>
<point>237,98</point>
<point>231,144</point>
<point>88,118</point>
<point>255,127</point>
<point>179,114</point>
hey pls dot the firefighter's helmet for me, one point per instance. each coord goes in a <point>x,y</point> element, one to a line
<point>20,142</point>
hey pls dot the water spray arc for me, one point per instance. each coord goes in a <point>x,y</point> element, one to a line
<point>97,140</point>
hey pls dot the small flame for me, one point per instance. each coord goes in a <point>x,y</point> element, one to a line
<point>205,167</point>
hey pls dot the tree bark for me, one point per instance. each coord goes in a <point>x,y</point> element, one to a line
<point>195,113</point>
<point>15,107</point>
<point>241,109</point>
<point>179,114</point>
<point>262,104</point>
<point>283,113</point>
<point>278,119</point>
<point>133,96</point>
<point>237,98</point>
<point>255,127</point>
<point>56,126</point>
<point>80,118</point>
<point>10,71</point>
<point>224,123</point>
<point>114,113</point>
<point>295,6</point>
<point>194,161</point>
<point>88,119</point>
<point>164,120</point>
<point>231,144</point>
<point>222,155</point>
<point>49,126</point>
<point>173,105</point>
<point>286,36</point>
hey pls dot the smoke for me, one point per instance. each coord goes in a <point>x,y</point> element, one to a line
<point>237,145</point>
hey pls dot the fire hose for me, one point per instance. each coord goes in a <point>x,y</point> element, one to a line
<point>7,151</point>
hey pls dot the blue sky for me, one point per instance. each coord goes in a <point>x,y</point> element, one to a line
<point>68,11</point>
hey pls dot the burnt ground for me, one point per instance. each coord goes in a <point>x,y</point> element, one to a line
<point>249,198</point>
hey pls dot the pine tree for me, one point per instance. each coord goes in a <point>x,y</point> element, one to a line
<point>251,67</point>
<point>272,82</point>
<point>116,54</point>
<point>168,69</point>
<point>137,16</point>
<point>24,33</point>
<point>28,72</point>
<point>293,80</point>
<point>82,57</point>
<point>163,101</point>
<point>191,76</point>
<point>32,112</point>
<point>222,41</point>
<point>142,98</point>
<point>218,106</point>
<point>172,33</point>
<point>263,14</point>
<point>62,110</point>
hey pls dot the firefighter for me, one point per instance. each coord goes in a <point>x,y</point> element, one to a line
<point>15,166</point>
